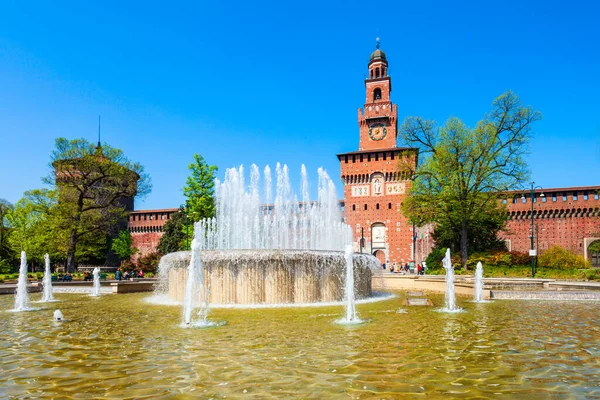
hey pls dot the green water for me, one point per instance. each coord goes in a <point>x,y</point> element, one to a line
<point>118,346</point>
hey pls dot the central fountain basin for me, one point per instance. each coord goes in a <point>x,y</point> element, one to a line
<point>261,276</point>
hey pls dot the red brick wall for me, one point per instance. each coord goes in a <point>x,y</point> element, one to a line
<point>146,228</point>
<point>360,191</point>
<point>565,223</point>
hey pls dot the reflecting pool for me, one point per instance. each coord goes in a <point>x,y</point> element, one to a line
<point>119,346</point>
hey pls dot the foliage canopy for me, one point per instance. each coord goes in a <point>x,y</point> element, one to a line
<point>465,170</point>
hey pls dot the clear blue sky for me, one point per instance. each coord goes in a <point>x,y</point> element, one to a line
<point>259,82</point>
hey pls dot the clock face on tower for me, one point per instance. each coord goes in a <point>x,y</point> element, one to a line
<point>377,132</point>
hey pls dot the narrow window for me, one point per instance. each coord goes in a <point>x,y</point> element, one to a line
<point>377,206</point>
<point>361,158</point>
<point>575,196</point>
<point>376,72</point>
<point>353,207</point>
<point>384,156</point>
<point>585,196</point>
<point>346,159</point>
<point>554,197</point>
<point>377,94</point>
<point>368,157</point>
<point>365,207</point>
<point>353,158</point>
<point>389,206</point>
<point>376,156</point>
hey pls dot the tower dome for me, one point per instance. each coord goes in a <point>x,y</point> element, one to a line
<point>378,54</point>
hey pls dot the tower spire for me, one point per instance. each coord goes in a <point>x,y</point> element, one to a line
<point>99,143</point>
<point>378,41</point>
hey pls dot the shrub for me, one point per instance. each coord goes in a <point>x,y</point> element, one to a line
<point>149,262</point>
<point>559,258</point>
<point>434,259</point>
<point>7,266</point>
<point>504,259</point>
<point>591,274</point>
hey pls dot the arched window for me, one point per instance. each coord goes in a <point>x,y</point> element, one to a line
<point>377,94</point>
<point>376,72</point>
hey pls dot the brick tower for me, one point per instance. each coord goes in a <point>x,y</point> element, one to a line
<point>374,186</point>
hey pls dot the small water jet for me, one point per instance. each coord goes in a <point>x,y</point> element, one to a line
<point>349,292</point>
<point>479,283</point>
<point>450,296</point>
<point>22,297</point>
<point>96,287</point>
<point>47,282</point>
<point>195,284</point>
<point>58,316</point>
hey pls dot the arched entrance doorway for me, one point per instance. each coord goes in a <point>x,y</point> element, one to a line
<point>594,253</point>
<point>380,255</point>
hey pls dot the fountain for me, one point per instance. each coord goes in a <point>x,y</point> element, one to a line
<point>195,284</point>
<point>47,282</point>
<point>349,295</point>
<point>22,297</point>
<point>96,287</point>
<point>450,297</point>
<point>479,283</point>
<point>260,250</point>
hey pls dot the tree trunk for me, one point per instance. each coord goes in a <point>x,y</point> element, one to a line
<point>464,251</point>
<point>71,252</point>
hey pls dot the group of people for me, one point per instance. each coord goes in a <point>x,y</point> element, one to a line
<point>128,274</point>
<point>406,268</point>
<point>65,278</point>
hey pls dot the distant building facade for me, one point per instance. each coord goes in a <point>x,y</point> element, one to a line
<point>566,217</point>
<point>146,228</point>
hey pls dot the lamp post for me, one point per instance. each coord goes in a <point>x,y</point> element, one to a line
<point>532,252</point>
<point>362,239</point>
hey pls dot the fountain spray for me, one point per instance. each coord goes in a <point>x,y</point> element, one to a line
<point>22,297</point>
<point>450,295</point>
<point>96,288</point>
<point>479,283</point>
<point>47,282</point>
<point>349,291</point>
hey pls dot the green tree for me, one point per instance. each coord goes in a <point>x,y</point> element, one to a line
<point>464,169</point>
<point>482,232</point>
<point>122,245</point>
<point>199,189</point>
<point>174,235</point>
<point>7,257</point>
<point>32,226</point>
<point>95,185</point>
